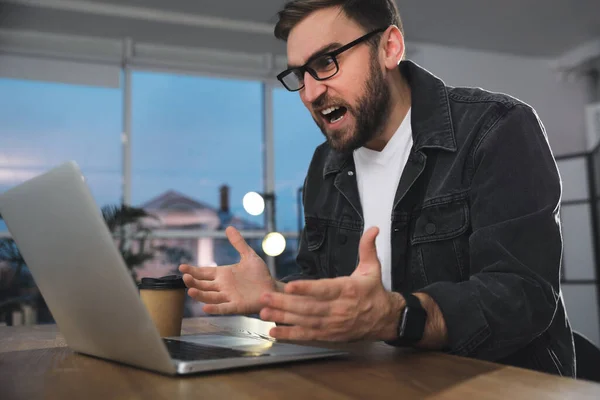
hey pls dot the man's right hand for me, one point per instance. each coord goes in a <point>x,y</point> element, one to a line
<point>231,289</point>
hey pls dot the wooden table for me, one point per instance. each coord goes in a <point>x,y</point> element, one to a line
<point>35,363</point>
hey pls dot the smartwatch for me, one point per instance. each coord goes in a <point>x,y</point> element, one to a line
<point>411,325</point>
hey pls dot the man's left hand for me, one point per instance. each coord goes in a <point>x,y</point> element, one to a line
<point>340,309</point>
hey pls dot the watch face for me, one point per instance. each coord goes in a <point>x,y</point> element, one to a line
<point>412,324</point>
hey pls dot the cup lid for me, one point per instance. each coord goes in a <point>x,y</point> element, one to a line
<point>164,282</point>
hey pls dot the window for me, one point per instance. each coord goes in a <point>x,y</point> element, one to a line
<point>578,252</point>
<point>296,138</point>
<point>46,124</point>
<point>579,273</point>
<point>197,149</point>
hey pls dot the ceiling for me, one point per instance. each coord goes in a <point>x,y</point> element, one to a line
<point>539,28</point>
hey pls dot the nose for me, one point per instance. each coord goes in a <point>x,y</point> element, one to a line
<point>313,89</point>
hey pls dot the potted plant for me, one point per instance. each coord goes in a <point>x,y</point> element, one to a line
<point>16,284</point>
<point>132,227</point>
<point>131,233</point>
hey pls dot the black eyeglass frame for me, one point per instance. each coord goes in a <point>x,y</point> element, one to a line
<point>333,54</point>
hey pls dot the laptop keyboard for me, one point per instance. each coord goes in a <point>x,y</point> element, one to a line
<point>187,351</point>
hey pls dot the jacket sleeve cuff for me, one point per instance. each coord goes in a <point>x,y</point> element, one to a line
<point>465,322</point>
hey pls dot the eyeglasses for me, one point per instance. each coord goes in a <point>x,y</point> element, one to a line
<point>321,67</point>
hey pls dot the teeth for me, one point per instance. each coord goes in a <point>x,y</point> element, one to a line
<point>337,119</point>
<point>329,110</point>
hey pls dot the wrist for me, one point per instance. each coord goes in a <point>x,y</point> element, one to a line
<point>391,317</point>
<point>436,334</point>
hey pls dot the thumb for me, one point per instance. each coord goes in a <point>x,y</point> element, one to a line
<point>238,242</point>
<point>367,254</point>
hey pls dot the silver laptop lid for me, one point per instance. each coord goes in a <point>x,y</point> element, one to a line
<point>66,244</point>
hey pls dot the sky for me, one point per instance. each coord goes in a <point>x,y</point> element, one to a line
<point>190,134</point>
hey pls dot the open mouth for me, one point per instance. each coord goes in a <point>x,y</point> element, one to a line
<point>334,114</point>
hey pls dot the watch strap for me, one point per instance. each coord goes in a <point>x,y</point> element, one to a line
<point>412,301</point>
<point>411,323</point>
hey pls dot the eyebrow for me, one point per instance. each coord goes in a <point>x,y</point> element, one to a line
<point>323,50</point>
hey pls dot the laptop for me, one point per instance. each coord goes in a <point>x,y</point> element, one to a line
<point>70,252</point>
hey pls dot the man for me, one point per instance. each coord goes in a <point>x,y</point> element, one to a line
<point>432,213</point>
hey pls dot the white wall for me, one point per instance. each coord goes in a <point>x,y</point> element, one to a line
<point>560,103</point>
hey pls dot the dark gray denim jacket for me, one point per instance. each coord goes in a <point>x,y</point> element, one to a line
<point>475,224</point>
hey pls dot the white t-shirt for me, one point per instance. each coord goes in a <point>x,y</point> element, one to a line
<point>377,175</point>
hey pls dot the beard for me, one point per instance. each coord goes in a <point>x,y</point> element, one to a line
<point>370,114</point>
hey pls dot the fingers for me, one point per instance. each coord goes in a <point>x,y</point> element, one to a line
<point>322,289</point>
<point>209,286</point>
<point>284,317</point>
<point>207,297</point>
<point>189,280</point>
<point>206,286</point>
<point>295,333</point>
<point>201,273</point>
<point>223,308</point>
<point>301,305</point>
<point>238,242</point>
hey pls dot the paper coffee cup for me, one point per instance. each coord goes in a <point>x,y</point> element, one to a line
<point>164,298</point>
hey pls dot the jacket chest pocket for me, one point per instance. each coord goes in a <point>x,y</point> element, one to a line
<point>316,234</point>
<point>334,246</point>
<point>440,242</point>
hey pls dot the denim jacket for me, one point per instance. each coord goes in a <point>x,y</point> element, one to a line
<point>475,224</point>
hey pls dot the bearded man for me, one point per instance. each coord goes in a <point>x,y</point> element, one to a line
<point>431,212</point>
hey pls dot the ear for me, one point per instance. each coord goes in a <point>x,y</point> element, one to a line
<point>393,47</point>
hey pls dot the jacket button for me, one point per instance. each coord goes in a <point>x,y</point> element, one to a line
<point>343,239</point>
<point>430,228</point>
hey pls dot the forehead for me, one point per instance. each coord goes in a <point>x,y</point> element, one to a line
<point>318,30</point>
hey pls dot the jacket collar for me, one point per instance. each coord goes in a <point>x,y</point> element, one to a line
<point>431,120</point>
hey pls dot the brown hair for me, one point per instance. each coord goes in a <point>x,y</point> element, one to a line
<point>370,14</point>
